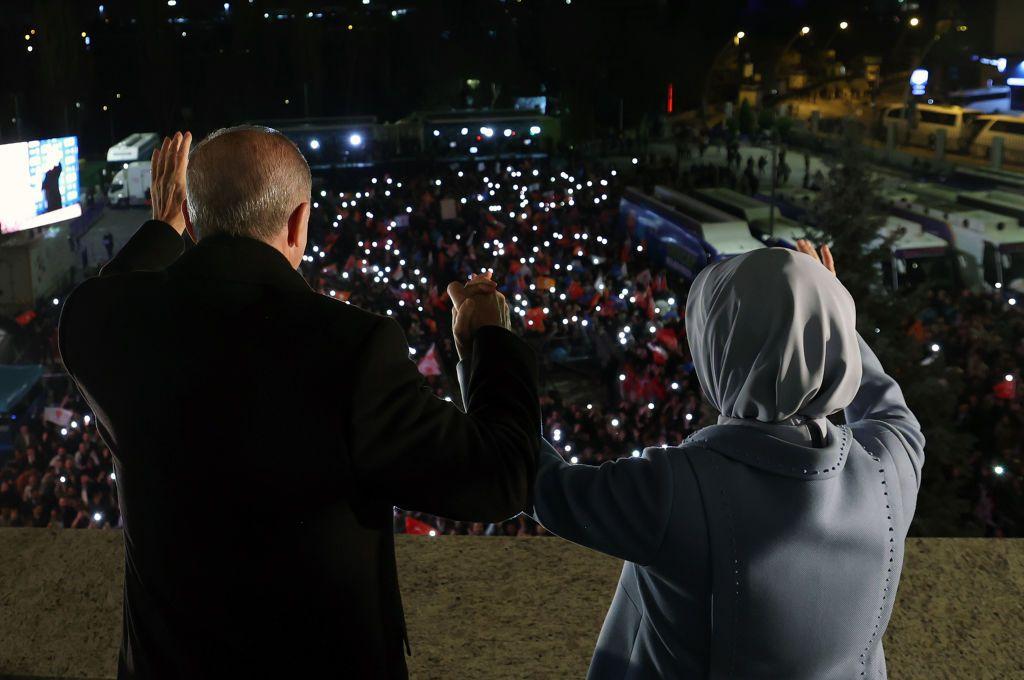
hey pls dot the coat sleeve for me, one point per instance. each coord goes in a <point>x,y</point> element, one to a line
<point>153,247</point>
<point>882,422</point>
<point>621,508</point>
<point>423,453</point>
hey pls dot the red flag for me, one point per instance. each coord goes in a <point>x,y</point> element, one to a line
<point>658,353</point>
<point>429,365</point>
<point>417,527</point>
<point>535,319</point>
<point>1005,389</point>
<point>668,338</point>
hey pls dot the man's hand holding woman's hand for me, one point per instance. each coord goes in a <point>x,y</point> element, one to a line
<point>475,304</point>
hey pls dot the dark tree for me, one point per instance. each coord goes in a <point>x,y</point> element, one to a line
<point>849,217</point>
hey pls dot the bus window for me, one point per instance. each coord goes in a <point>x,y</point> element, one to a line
<point>937,271</point>
<point>991,266</point>
<point>1013,266</point>
<point>977,126</point>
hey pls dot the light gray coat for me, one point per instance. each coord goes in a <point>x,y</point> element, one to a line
<point>748,556</point>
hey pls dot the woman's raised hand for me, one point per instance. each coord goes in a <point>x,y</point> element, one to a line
<point>806,247</point>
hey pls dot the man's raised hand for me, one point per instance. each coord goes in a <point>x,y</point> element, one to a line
<point>476,304</point>
<point>169,163</point>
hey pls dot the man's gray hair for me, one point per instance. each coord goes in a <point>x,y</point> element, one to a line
<point>245,181</point>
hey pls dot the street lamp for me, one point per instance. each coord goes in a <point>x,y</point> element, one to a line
<point>911,24</point>
<point>843,25</point>
<point>733,42</point>
<point>909,87</point>
<point>803,32</point>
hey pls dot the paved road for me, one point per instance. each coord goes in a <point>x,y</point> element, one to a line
<point>121,224</point>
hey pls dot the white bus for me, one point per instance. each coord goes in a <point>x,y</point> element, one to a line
<point>137,146</point>
<point>923,126</point>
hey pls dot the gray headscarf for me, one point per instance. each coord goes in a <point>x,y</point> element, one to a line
<point>773,337</point>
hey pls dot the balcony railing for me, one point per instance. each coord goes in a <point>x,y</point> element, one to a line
<point>506,607</point>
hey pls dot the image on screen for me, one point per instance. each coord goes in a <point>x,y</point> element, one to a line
<point>39,183</point>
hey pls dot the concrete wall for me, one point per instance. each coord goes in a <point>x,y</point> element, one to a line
<point>506,608</point>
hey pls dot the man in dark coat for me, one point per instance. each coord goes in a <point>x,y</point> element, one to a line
<point>220,380</point>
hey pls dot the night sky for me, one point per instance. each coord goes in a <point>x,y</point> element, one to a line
<point>200,65</point>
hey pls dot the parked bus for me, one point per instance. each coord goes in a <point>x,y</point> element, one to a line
<point>668,234</point>
<point>1001,202</point>
<point>736,204</point>
<point>992,243</point>
<point>725,235</point>
<point>138,146</point>
<point>917,256</point>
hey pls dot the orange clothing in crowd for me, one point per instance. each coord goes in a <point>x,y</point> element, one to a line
<point>534,319</point>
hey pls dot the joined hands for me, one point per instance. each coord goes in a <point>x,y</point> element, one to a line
<point>476,304</point>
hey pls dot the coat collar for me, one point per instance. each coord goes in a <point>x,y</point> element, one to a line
<point>761,450</point>
<point>240,259</point>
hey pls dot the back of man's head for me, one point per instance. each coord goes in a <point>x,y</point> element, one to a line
<point>245,181</point>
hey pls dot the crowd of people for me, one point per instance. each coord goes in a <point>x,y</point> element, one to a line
<point>983,338</point>
<point>606,321</point>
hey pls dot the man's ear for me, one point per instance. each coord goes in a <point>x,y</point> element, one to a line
<point>297,224</point>
<point>188,222</point>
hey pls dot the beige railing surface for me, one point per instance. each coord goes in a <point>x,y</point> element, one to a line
<point>507,607</point>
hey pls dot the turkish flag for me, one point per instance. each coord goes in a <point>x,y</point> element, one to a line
<point>535,319</point>
<point>429,365</point>
<point>1005,389</point>
<point>658,353</point>
<point>417,527</point>
<point>667,338</point>
<point>25,318</point>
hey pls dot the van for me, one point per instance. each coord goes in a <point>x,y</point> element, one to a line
<point>131,185</point>
<point>926,122</point>
<point>985,130</point>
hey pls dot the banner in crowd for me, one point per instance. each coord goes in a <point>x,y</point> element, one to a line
<point>58,416</point>
<point>429,365</point>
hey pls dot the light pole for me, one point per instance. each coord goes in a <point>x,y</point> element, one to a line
<point>733,42</point>
<point>912,23</point>
<point>909,91</point>
<point>843,25</point>
<point>804,31</point>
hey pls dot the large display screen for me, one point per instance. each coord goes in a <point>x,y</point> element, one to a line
<point>38,183</point>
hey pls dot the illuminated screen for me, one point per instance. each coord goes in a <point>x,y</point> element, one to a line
<point>38,183</point>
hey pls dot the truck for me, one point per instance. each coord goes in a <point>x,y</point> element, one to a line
<point>131,185</point>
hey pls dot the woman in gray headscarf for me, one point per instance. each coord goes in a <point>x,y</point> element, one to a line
<point>770,544</point>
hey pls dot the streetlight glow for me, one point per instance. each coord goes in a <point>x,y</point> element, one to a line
<point>805,30</point>
<point>843,25</point>
<point>915,22</point>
